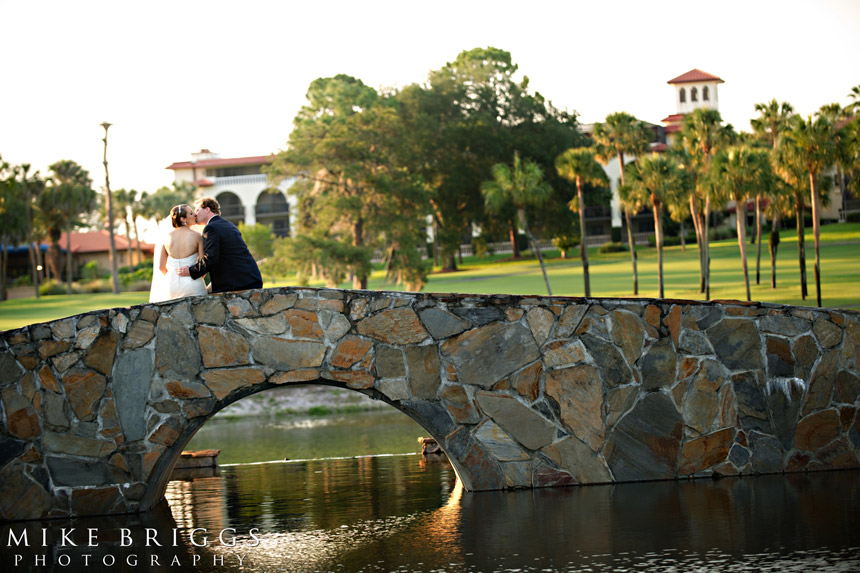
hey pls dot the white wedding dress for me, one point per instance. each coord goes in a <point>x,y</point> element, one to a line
<point>170,286</point>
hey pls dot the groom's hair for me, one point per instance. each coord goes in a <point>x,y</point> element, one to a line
<point>211,203</point>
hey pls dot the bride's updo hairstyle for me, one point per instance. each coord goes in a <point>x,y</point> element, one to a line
<point>176,214</point>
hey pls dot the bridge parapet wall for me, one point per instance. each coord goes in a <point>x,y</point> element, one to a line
<point>519,391</point>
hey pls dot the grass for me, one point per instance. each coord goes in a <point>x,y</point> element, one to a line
<point>611,276</point>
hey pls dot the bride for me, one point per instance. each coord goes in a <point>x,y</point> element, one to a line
<point>182,246</point>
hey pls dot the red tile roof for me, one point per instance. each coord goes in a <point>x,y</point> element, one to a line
<point>675,127</point>
<point>674,118</point>
<point>99,241</point>
<point>228,162</point>
<point>695,75</point>
<point>659,147</point>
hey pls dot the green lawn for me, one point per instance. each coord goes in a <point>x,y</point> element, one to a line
<point>611,276</point>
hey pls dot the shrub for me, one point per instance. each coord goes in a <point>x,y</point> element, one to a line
<point>612,247</point>
<point>23,281</point>
<point>616,234</point>
<point>565,243</point>
<point>99,285</point>
<point>135,274</point>
<point>139,286</point>
<point>480,247</point>
<point>52,287</point>
<point>90,271</point>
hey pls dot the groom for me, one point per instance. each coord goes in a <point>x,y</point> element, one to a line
<point>225,256</point>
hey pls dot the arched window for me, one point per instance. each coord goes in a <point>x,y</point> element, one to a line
<point>231,207</point>
<point>705,94</point>
<point>683,95</point>
<point>694,94</point>
<point>272,209</point>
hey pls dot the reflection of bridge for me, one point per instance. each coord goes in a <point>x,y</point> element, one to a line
<point>520,391</point>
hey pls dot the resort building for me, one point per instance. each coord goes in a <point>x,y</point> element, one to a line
<point>241,188</point>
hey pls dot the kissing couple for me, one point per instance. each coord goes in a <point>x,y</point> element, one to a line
<point>186,255</point>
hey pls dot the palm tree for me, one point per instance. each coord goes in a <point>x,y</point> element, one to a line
<point>656,180</point>
<point>31,186</point>
<point>814,142</point>
<point>844,151</point>
<point>620,135</point>
<point>779,202</point>
<point>701,135</point>
<point>745,170</point>
<point>854,94</point>
<point>70,195</point>
<point>580,166</point>
<point>771,122</point>
<point>521,185</point>
<point>13,228</point>
<point>127,203</point>
<point>109,209</point>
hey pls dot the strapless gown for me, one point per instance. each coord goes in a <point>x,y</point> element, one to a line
<point>171,285</point>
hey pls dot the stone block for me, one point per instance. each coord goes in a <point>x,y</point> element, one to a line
<point>442,324</point>
<point>131,384</point>
<point>424,374</point>
<point>827,333</point>
<point>581,461</point>
<point>609,361</point>
<point>224,382</point>
<point>498,443</point>
<point>220,347</point>
<point>646,442</point>
<point>394,326</point>
<point>737,343</point>
<point>702,453</point>
<point>349,351</point>
<point>817,430</point>
<point>526,426</point>
<point>579,393</point>
<point>485,355</point>
<point>283,354</point>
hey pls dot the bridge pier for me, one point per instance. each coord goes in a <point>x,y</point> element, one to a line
<point>520,392</point>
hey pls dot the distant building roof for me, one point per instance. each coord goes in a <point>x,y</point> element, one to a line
<point>695,75</point>
<point>99,242</point>
<point>226,162</point>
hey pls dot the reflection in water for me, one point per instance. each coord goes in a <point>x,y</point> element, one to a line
<point>403,513</point>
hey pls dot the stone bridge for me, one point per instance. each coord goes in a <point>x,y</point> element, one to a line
<point>520,391</point>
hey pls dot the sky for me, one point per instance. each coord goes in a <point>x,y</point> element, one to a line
<point>174,77</point>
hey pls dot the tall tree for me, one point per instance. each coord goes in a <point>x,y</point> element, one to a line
<point>70,196</point>
<point>344,145</point>
<point>109,208</point>
<point>656,181</point>
<point>580,166</point>
<point>772,121</point>
<point>701,135</point>
<point>520,185</point>
<point>13,227</point>
<point>124,201</point>
<point>623,135</point>
<point>814,143</point>
<point>745,170</point>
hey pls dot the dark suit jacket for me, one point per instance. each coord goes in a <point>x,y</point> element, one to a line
<point>226,258</point>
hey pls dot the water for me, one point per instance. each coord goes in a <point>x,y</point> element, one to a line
<point>407,513</point>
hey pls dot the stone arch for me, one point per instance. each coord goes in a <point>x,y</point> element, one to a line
<point>162,469</point>
<point>520,391</point>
